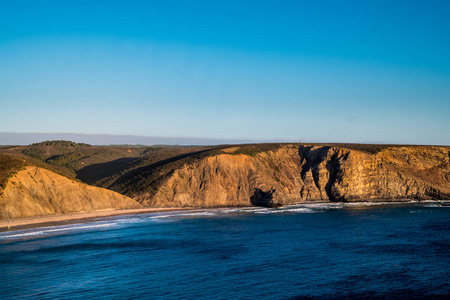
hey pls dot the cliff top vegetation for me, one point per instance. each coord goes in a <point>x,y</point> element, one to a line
<point>9,165</point>
<point>59,143</point>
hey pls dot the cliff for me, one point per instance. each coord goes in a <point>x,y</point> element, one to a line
<point>239,175</point>
<point>293,173</point>
<point>35,191</point>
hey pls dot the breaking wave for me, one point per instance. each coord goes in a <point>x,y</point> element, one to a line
<point>176,216</point>
<point>47,231</point>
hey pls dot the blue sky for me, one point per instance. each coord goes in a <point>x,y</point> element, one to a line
<point>320,71</point>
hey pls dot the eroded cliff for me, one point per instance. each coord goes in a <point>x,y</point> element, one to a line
<point>36,192</point>
<point>306,173</point>
<point>240,175</point>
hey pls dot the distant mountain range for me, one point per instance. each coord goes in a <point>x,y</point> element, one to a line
<point>12,138</point>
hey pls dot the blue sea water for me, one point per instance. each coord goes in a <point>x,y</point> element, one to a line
<point>329,251</point>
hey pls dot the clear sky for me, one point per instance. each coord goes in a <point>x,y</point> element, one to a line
<point>321,71</point>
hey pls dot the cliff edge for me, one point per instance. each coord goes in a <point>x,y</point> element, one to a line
<point>239,175</point>
<point>297,173</point>
<point>35,191</point>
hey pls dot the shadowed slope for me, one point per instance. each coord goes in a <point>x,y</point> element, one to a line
<point>230,175</point>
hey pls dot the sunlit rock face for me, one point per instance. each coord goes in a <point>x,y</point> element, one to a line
<point>307,173</point>
<point>37,192</point>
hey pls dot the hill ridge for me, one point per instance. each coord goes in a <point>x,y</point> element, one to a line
<point>231,175</point>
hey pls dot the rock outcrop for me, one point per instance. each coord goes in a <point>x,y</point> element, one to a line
<point>307,173</point>
<point>36,192</point>
<point>267,175</point>
<point>265,199</point>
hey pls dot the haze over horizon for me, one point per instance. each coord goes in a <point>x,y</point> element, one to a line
<point>340,71</point>
<point>11,138</point>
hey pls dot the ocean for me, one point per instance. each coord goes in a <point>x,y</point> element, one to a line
<point>309,251</point>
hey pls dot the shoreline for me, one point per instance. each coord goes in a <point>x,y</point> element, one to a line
<point>52,220</point>
<point>27,222</point>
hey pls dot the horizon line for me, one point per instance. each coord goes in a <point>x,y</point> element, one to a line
<point>28,138</point>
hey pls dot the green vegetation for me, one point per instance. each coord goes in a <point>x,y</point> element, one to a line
<point>9,165</point>
<point>253,149</point>
<point>148,173</point>
<point>107,166</point>
<point>60,143</point>
<point>64,154</point>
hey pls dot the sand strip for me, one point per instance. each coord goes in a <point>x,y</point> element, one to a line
<point>12,224</point>
<point>21,223</point>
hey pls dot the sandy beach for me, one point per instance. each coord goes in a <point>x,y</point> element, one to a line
<point>14,224</point>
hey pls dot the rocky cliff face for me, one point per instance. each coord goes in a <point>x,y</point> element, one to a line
<point>307,173</point>
<point>395,173</point>
<point>266,175</point>
<point>37,192</point>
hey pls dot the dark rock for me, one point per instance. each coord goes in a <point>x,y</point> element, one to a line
<point>265,199</point>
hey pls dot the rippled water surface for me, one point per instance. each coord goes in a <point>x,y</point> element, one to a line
<point>322,250</point>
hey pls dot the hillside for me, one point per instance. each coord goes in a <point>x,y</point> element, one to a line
<point>73,156</point>
<point>258,174</point>
<point>9,165</point>
<point>240,175</point>
<point>34,191</point>
<point>29,187</point>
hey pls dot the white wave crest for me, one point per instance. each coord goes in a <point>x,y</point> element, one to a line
<point>51,230</point>
<point>203,213</point>
<point>437,205</point>
<point>176,216</point>
<point>301,210</point>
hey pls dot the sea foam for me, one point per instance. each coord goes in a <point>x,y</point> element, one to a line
<point>45,231</point>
